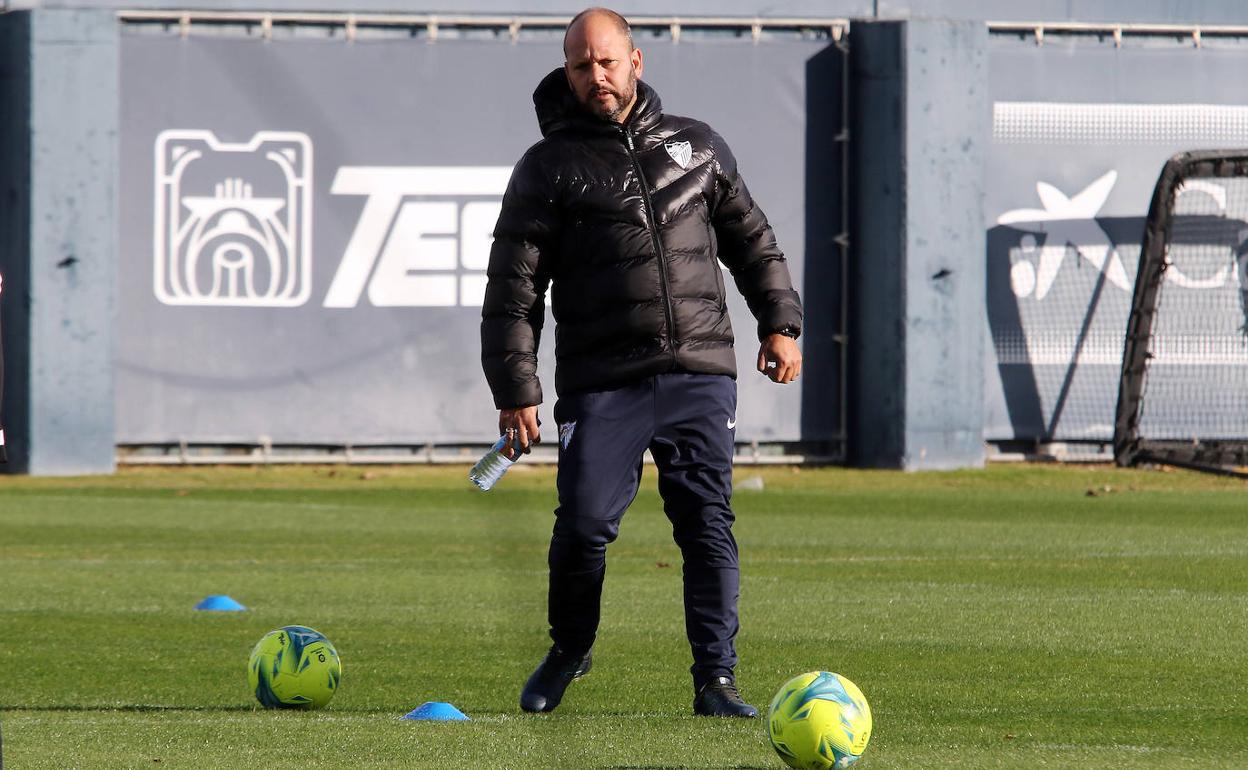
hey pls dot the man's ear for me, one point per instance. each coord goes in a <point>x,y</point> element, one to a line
<point>635,58</point>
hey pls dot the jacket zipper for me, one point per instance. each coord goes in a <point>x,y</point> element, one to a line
<point>652,227</point>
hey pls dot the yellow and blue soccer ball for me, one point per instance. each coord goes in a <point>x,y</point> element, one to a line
<point>819,721</point>
<point>294,667</point>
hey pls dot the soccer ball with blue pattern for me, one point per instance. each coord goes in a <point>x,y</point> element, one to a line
<point>294,667</point>
<point>819,721</point>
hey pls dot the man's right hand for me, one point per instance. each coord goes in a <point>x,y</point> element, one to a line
<point>520,426</point>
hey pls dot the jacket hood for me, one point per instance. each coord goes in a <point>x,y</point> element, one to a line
<point>558,109</point>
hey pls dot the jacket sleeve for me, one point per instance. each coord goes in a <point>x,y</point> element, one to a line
<point>515,292</point>
<point>748,247</point>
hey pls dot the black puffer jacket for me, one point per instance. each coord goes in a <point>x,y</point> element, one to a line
<point>625,223</point>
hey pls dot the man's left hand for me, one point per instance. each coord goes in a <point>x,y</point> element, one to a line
<point>780,359</point>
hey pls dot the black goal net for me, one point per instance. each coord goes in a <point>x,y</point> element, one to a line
<point>1183,396</point>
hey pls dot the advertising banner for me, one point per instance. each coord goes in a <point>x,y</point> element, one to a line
<point>1081,129</point>
<point>306,225</point>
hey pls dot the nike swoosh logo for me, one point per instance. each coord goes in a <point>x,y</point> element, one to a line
<point>732,423</point>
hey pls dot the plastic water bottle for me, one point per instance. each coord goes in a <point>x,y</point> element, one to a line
<point>491,467</point>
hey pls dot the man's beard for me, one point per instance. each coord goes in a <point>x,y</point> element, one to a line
<point>622,100</point>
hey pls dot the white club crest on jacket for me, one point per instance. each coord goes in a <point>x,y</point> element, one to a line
<point>681,152</point>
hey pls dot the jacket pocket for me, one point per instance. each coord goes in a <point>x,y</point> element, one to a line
<point>713,253</point>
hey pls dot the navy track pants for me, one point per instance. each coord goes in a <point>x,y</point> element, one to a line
<point>688,422</point>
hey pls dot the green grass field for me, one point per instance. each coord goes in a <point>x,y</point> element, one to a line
<point>1004,618</point>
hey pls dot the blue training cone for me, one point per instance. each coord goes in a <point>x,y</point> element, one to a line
<point>219,603</point>
<point>436,711</point>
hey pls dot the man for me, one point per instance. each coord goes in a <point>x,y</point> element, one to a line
<point>622,211</point>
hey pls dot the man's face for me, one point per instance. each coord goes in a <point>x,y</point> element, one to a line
<point>602,70</point>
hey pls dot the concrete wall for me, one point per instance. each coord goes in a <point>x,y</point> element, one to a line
<point>58,243</point>
<point>920,115</point>
<point>1121,11</point>
<point>15,220</point>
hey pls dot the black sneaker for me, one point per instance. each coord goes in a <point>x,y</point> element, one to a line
<point>545,687</point>
<point>719,698</point>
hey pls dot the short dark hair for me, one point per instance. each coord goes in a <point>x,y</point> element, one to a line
<point>621,23</point>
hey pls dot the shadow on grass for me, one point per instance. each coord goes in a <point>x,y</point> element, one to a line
<point>153,708</point>
<point>136,707</point>
<point>682,767</point>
